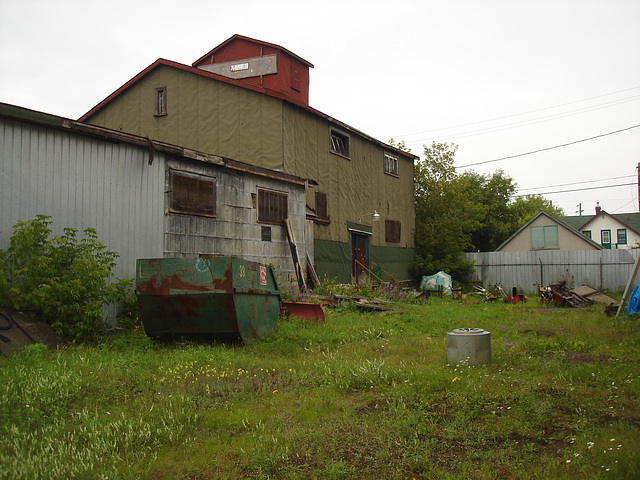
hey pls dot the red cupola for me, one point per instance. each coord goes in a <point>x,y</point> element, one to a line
<point>260,63</point>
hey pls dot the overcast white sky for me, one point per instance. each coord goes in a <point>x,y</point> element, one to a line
<point>499,78</point>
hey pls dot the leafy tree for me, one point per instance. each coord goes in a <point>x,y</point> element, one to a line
<point>66,279</point>
<point>462,212</point>
<point>526,207</point>
<point>445,216</point>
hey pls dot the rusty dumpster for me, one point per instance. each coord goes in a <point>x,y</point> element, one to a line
<point>226,298</point>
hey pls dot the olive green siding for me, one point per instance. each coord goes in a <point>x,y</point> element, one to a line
<point>333,260</point>
<point>212,116</point>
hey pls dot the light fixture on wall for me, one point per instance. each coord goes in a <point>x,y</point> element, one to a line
<point>375,215</point>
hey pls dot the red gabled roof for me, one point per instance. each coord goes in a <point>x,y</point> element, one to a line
<point>195,71</point>
<point>239,83</point>
<point>258,42</point>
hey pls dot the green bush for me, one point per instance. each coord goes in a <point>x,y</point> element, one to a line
<point>67,280</point>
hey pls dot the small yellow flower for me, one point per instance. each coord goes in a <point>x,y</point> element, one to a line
<point>275,391</point>
<point>455,380</point>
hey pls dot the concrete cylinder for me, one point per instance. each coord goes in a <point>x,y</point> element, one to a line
<point>472,345</point>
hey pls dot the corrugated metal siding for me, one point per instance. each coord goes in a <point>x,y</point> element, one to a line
<point>82,182</point>
<point>600,269</point>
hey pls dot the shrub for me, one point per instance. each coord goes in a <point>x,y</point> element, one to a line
<point>67,280</point>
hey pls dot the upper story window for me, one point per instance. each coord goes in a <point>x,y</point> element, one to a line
<point>193,194</point>
<point>273,207</point>
<point>321,206</point>
<point>587,233</point>
<point>622,236</point>
<point>340,143</point>
<point>161,101</point>
<point>392,231</point>
<point>605,237</point>
<point>544,237</point>
<point>391,164</point>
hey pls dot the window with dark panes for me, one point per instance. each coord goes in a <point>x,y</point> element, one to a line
<point>321,206</point>
<point>392,231</point>
<point>340,143</point>
<point>266,234</point>
<point>273,207</point>
<point>193,194</point>
<point>622,236</point>
<point>161,101</point>
<point>391,165</point>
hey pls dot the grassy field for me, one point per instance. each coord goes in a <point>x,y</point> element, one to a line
<point>363,395</point>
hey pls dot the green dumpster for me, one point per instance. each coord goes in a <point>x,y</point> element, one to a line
<point>227,298</point>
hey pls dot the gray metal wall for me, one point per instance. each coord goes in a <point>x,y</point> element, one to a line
<point>600,269</point>
<point>82,182</point>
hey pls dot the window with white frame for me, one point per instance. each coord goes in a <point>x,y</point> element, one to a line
<point>391,164</point>
<point>605,237</point>
<point>340,143</point>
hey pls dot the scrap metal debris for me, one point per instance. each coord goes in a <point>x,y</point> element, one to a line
<point>562,296</point>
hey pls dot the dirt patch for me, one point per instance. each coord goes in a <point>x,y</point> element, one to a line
<point>590,358</point>
<point>25,329</point>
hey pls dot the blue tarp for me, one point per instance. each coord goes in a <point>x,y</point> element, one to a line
<point>634,301</point>
<point>434,281</point>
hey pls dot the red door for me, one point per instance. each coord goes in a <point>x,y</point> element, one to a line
<point>359,254</point>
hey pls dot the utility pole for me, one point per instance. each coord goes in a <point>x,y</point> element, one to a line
<point>580,210</point>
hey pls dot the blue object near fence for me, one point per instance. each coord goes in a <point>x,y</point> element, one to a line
<point>633,306</point>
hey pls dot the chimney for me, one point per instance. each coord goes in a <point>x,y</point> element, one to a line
<point>598,209</point>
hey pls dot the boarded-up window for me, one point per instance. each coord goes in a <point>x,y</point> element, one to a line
<point>340,143</point>
<point>391,165</point>
<point>273,207</point>
<point>544,238</point>
<point>392,231</point>
<point>193,194</point>
<point>321,206</point>
<point>266,234</point>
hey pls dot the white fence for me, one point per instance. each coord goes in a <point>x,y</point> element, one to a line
<point>600,269</point>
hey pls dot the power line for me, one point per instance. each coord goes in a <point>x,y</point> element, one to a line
<point>526,123</point>
<point>578,183</point>
<point>582,189</point>
<point>548,148</point>
<point>518,114</point>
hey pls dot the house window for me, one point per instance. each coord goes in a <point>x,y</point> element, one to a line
<point>622,236</point>
<point>161,101</point>
<point>544,237</point>
<point>273,207</point>
<point>605,238</point>
<point>390,165</point>
<point>193,194</point>
<point>266,234</point>
<point>392,231</point>
<point>587,233</point>
<point>340,143</point>
<point>321,206</point>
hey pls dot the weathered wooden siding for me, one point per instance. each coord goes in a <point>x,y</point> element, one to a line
<point>600,269</point>
<point>235,230</point>
<point>82,182</point>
